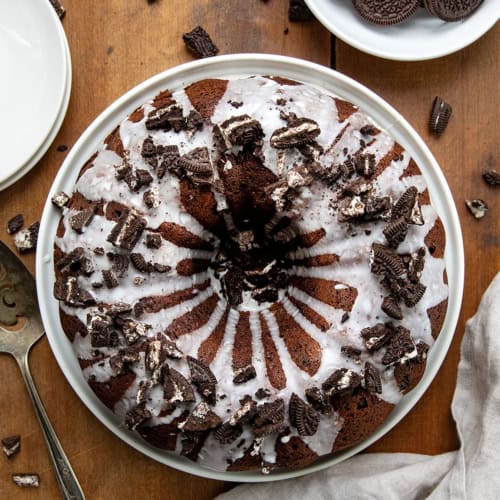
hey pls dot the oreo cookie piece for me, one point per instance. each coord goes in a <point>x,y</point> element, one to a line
<point>177,389</point>
<point>452,11</point>
<point>11,445</point>
<point>477,208</point>
<point>15,223</point>
<point>228,433</point>
<point>26,239</point>
<point>391,308</point>
<point>299,132</point>
<point>492,177</point>
<point>198,41</point>
<point>137,415</point>
<point>384,12</point>
<point>270,418</point>
<point>127,231</point>
<point>203,378</point>
<point>197,162</point>
<point>26,480</point>
<point>60,199</point>
<point>440,116</point>
<point>395,232</point>
<point>298,11</point>
<point>201,419</point>
<point>241,130</point>
<point>303,416</point>
<point>341,382</point>
<point>81,219</point>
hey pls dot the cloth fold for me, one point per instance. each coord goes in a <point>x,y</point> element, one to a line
<point>468,473</point>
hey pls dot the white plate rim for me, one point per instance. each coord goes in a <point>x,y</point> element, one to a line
<point>220,66</point>
<point>320,10</point>
<point>37,155</point>
<point>63,50</point>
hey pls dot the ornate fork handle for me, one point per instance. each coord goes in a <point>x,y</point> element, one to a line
<point>66,479</point>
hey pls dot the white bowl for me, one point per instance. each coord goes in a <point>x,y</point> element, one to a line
<point>419,38</point>
<point>245,65</point>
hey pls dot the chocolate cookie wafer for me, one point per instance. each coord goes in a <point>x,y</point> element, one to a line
<point>452,10</point>
<point>386,12</point>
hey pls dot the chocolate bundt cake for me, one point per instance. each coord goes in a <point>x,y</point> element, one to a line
<point>250,272</point>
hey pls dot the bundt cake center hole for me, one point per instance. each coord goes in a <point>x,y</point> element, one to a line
<point>250,264</point>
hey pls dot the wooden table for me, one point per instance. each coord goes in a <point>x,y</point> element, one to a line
<point>115,44</point>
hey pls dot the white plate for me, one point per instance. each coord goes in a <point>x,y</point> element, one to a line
<point>24,169</point>
<point>34,62</point>
<point>419,38</point>
<point>245,65</point>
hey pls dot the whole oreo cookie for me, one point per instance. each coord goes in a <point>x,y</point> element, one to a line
<point>452,10</point>
<point>386,12</point>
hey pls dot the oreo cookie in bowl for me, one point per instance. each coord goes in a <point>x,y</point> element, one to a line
<point>407,30</point>
<point>248,268</point>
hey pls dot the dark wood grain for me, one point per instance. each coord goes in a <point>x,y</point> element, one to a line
<point>116,44</point>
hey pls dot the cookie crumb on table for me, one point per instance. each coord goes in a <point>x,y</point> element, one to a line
<point>198,42</point>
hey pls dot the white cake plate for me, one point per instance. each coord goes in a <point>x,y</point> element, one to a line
<point>245,65</point>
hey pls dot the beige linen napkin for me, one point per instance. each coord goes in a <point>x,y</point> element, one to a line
<point>472,472</point>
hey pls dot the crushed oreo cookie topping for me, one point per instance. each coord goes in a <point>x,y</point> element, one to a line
<point>371,379</point>
<point>350,351</point>
<point>395,232</point>
<point>228,433</point>
<point>166,118</point>
<point>137,416</point>
<point>377,336</point>
<point>364,164</point>
<point>81,219</point>
<point>303,416</point>
<point>244,375</point>
<point>385,261</point>
<point>60,199</point>
<point>119,362</point>
<point>202,418</point>
<point>240,130</point>
<point>203,378</point>
<point>248,242</point>
<point>197,164</point>
<point>391,307</point>
<point>127,231</point>
<point>270,418</point>
<point>408,207</point>
<point>400,347</point>
<point>176,388</point>
<point>299,131</point>
<point>341,382</point>
<point>69,290</point>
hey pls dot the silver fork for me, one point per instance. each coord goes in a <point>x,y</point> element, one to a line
<point>18,300</point>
